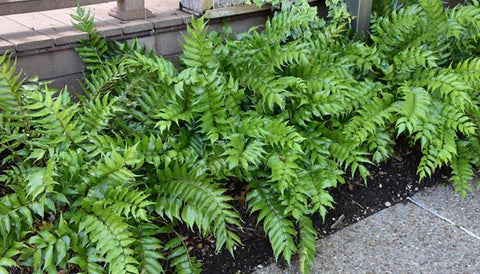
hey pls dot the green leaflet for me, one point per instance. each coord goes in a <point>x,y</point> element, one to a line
<point>280,230</point>
<point>307,245</point>
<point>105,181</point>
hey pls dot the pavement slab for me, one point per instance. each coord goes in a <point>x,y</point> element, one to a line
<point>404,239</point>
<point>463,211</point>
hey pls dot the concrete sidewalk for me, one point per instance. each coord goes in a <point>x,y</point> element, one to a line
<point>435,232</point>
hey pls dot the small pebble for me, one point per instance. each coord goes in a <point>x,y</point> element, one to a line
<point>388,204</point>
<point>259,266</point>
<point>380,186</point>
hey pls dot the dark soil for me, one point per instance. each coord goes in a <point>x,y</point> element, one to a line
<point>390,183</point>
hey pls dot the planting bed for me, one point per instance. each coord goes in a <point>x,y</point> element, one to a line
<point>390,183</point>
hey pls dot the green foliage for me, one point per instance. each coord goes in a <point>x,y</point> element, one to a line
<point>433,72</point>
<point>279,228</point>
<point>307,244</point>
<point>95,47</point>
<point>103,183</point>
<point>196,190</point>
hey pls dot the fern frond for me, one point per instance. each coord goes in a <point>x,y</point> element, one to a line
<point>112,238</point>
<point>199,190</point>
<point>161,68</point>
<point>447,85</point>
<point>16,215</point>
<point>127,202</point>
<point>380,145</point>
<point>406,61</point>
<point>459,121</point>
<point>49,251</point>
<point>462,169</point>
<point>469,70</point>
<point>464,25</point>
<point>435,13</point>
<point>174,208</point>
<point>441,150</point>
<point>95,47</point>
<point>286,22</point>
<point>284,170</point>
<point>8,255</point>
<point>87,258</point>
<point>14,121</point>
<point>179,257</point>
<point>281,56</point>
<point>114,169</point>
<point>99,111</point>
<point>10,87</point>
<point>242,153</point>
<point>54,118</point>
<point>209,105</point>
<point>347,152</point>
<point>395,31</point>
<point>148,250</point>
<point>197,49</point>
<point>280,230</point>
<point>413,109</point>
<point>107,77</point>
<point>279,133</point>
<point>40,180</point>
<point>272,91</point>
<point>378,113</point>
<point>307,245</point>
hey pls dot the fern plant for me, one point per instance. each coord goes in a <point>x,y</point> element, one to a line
<point>109,182</point>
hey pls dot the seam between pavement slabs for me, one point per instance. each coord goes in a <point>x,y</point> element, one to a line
<point>438,215</point>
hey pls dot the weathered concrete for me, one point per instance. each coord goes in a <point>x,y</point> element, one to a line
<point>6,46</point>
<point>60,33</point>
<point>15,7</point>
<point>405,239</point>
<point>51,64</point>
<point>130,10</point>
<point>22,37</point>
<point>463,211</point>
